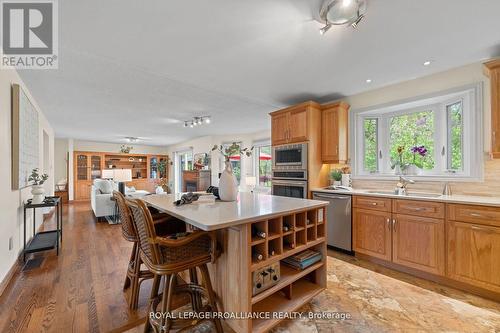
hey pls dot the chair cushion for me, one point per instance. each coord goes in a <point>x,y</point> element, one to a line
<point>104,186</point>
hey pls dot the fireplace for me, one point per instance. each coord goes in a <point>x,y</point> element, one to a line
<point>195,180</point>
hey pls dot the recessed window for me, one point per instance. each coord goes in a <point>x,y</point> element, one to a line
<point>436,137</point>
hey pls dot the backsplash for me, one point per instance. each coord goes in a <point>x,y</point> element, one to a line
<point>489,187</point>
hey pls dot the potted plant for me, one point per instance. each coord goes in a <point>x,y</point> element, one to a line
<point>162,170</point>
<point>336,177</point>
<point>419,155</point>
<point>37,189</point>
<point>228,186</point>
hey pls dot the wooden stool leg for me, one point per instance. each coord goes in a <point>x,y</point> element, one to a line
<point>154,293</point>
<point>126,285</point>
<point>211,295</point>
<point>168,289</point>
<point>196,301</point>
<point>134,293</point>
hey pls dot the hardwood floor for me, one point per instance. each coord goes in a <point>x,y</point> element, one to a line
<point>79,291</point>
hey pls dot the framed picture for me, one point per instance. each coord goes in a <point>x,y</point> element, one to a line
<point>25,138</point>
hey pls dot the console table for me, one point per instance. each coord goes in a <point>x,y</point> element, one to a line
<point>44,240</point>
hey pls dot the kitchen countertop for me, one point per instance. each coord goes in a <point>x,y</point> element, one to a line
<point>460,199</point>
<point>248,208</point>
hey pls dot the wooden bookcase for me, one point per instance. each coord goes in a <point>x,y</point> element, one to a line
<point>88,166</point>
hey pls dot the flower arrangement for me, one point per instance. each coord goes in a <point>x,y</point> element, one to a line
<point>36,178</point>
<point>419,152</point>
<point>125,149</point>
<point>234,149</point>
<point>399,162</point>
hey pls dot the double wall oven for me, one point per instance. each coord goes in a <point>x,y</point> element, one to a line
<point>290,170</point>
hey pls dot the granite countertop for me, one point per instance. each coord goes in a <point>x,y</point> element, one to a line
<point>461,199</point>
<point>248,208</point>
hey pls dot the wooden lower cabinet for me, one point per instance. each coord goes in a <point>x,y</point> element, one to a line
<point>82,190</point>
<point>418,242</point>
<point>474,254</point>
<point>372,233</point>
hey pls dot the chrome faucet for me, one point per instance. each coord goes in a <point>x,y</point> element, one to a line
<point>402,184</point>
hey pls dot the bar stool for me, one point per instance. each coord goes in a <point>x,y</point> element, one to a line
<point>166,258</point>
<point>164,225</point>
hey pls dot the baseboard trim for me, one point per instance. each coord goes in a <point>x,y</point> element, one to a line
<point>16,268</point>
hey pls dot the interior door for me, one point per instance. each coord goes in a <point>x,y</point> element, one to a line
<point>297,126</point>
<point>372,233</point>
<point>418,242</point>
<point>279,128</point>
<point>474,254</point>
<point>330,135</point>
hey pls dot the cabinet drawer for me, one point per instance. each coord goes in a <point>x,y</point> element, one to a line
<point>419,208</point>
<point>475,214</point>
<point>373,203</point>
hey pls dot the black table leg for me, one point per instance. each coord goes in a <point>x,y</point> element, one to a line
<point>34,221</point>
<point>58,230</point>
<point>61,221</point>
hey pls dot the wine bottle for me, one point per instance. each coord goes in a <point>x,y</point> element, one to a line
<point>290,244</point>
<point>287,227</point>
<point>259,233</point>
<point>271,252</point>
<point>257,256</point>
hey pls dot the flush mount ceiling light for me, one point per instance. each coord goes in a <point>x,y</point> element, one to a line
<point>427,63</point>
<point>341,12</point>
<point>196,121</point>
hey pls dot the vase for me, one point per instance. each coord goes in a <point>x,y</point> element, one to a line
<point>413,170</point>
<point>397,170</point>
<point>346,180</point>
<point>228,186</point>
<point>38,193</point>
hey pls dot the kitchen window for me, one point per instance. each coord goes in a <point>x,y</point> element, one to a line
<point>437,137</point>
<point>263,163</point>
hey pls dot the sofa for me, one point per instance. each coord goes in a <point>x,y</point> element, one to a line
<point>101,194</point>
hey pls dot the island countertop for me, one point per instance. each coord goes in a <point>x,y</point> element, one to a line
<point>248,207</point>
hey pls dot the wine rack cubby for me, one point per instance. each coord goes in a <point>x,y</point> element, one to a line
<point>279,237</point>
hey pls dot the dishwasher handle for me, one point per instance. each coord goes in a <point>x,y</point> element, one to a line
<point>343,197</point>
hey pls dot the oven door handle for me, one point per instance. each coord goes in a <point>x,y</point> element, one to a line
<point>291,182</point>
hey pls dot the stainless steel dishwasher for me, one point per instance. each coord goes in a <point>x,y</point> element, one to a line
<point>338,218</point>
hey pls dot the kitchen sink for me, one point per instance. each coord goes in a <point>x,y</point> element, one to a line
<point>422,195</point>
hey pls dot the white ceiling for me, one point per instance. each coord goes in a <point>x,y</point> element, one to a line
<point>139,68</point>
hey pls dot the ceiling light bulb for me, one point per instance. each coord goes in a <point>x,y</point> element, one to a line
<point>427,63</point>
<point>346,3</point>
<point>185,124</point>
<point>207,120</point>
<point>191,125</point>
<point>323,30</point>
<point>369,81</point>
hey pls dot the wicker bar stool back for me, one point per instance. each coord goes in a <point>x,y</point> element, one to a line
<point>134,275</point>
<point>166,258</point>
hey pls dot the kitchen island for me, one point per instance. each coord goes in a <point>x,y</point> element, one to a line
<point>286,226</point>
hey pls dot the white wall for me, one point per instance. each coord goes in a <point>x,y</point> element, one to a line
<point>205,144</point>
<point>11,218</point>
<point>60,159</point>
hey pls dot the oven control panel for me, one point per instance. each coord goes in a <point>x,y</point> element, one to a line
<point>265,278</point>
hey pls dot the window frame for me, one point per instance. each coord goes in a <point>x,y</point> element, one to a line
<point>257,145</point>
<point>471,98</point>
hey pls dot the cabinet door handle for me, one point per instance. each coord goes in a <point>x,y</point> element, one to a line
<point>394,224</point>
<point>389,223</point>
<point>374,203</point>
<point>417,209</point>
<point>489,231</point>
<point>475,215</point>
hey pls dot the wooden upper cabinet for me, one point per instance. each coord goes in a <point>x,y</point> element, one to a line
<point>298,126</point>
<point>279,129</point>
<point>334,132</point>
<point>474,254</point>
<point>418,242</point>
<point>492,70</point>
<point>294,124</point>
<point>372,233</point>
